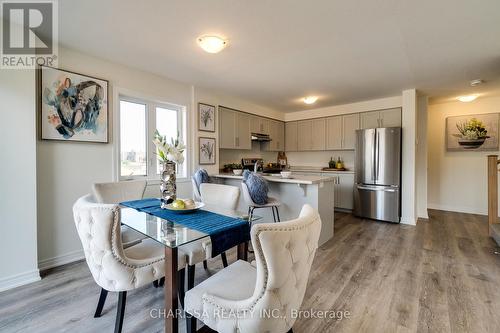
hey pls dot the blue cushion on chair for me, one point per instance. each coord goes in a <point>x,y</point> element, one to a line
<point>245,174</point>
<point>201,176</point>
<point>257,187</point>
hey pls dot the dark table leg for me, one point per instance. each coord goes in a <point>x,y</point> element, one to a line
<point>171,305</point>
<point>242,251</point>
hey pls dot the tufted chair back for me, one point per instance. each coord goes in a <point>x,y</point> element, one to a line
<point>221,196</point>
<point>98,227</point>
<point>116,192</point>
<point>284,253</point>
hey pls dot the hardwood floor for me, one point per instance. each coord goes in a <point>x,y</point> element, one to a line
<point>441,276</point>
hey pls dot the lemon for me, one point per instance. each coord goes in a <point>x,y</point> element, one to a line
<point>178,204</point>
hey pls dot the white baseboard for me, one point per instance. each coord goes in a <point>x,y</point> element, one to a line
<point>18,280</point>
<point>61,260</point>
<point>458,209</point>
<point>408,221</point>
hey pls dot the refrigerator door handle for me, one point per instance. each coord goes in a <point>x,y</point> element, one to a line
<point>374,154</point>
<point>377,188</point>
<point>376,158</point>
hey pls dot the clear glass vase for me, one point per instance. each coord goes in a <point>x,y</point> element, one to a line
<point>168,187</point>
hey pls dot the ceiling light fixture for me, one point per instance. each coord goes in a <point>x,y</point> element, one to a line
<point>467,98</point>
<point>212,44</point>
<point>310,99</point>
<point>476,82</point>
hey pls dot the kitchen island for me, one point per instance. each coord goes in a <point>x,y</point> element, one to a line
<point>293,193</point>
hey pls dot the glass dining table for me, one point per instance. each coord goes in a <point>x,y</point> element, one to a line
<point>173,235</point>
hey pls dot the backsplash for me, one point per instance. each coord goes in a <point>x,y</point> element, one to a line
<point>320,158</point>
<point>234,156</point>
<point>306,158</point>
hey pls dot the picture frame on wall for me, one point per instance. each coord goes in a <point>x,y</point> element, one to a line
<point>475,132</point>
<point>207,149</point>
<point>73,106</point>
<point>206,117</point>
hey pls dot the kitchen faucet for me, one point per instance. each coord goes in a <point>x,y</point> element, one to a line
<point>256,166</point>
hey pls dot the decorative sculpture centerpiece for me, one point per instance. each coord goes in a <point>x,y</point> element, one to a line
<point>169,155</point>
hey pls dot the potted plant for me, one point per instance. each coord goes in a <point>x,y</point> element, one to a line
<point>472,134</point>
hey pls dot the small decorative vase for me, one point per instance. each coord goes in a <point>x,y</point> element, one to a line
<point>168,187</point>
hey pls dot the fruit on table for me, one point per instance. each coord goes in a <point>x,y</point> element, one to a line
<point>189,204</point>
<point>178,204</point>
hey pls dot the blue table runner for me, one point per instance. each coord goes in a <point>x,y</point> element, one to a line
<point>225,232</point>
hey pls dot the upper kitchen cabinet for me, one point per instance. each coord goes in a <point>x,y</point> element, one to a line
<point>382,118</point>
<point>234,129</point>
<point>318,134</point>
<point>334,133</point>
<point>350,123</point>
<point>311,134</point>
<point>277,135</point>
<point>291,136</point>
<point>304,137</point>
<point>390,118</point>
<point>341,131</point>
<point>260,125</point>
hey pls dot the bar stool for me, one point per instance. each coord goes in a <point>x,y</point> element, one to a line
<point>272,203</point>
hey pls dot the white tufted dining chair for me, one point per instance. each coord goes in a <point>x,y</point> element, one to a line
<point>113,267</point>
<point>234,299</point>
<point>224,197</point>
<point>116,192</point>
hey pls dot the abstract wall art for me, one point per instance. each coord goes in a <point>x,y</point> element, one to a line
<point>206,117</point>
<point>207,150</point>
<point>472,133</point>
<point>74,107</point>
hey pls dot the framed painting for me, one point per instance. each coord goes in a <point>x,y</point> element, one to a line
<point>476,132</point>
<point>207,151</point>
<point>74,107</point>
<point>206,117</point>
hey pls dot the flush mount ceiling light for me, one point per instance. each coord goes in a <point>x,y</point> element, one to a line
<point>212,44</point>
<point>310,99</point>
<point>467,98</point>
<point>476,82</point>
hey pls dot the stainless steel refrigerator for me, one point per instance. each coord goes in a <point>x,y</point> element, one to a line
<point>377,192</point>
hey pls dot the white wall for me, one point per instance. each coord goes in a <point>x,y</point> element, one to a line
<point>18,242</point>
<point>215,98</point>
<point>408,158</point>
<point>66,170</point>
<point>421,165</point>
<point>320,158</point>
<point>457,181</point>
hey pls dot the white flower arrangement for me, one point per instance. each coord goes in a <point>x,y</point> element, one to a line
<point>169,152</point>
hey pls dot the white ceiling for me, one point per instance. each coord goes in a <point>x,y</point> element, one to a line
<point>280,50</point>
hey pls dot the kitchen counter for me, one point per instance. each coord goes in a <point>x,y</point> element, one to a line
<point>316,169</point>
<point>294,179</point>
<point>293,193</point>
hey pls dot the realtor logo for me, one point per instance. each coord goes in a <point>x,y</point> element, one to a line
<point>29,34</point>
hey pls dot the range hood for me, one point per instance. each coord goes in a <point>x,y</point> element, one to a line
<point>260,137</point>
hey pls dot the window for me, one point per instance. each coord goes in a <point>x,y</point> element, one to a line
<point>138,121</point>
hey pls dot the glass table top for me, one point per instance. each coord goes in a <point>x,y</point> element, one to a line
<point>170,233</point>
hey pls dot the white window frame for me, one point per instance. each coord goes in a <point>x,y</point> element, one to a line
<point>151,164</point>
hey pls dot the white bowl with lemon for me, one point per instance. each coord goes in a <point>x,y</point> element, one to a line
<point>184,206</point>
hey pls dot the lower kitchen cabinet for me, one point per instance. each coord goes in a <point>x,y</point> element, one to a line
<point>344,190</point>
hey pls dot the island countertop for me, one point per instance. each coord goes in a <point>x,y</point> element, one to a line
<point>294,179</point>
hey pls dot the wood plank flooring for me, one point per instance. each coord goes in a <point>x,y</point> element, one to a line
<point>441,276</point>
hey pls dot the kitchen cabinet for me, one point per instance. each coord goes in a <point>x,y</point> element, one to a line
<point>311,134</point>
<point>334,133</point>
<point>277,135</point>
<point>341,131</point>
<point>260,125</point>
<point>227,128</point>
<point>350,123</point>
<point>344,189</point>
<point>304,137</point>
<point>291,136</point>
<point>318,134</point>
<point>382,118</point>
<point>234,130</point>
